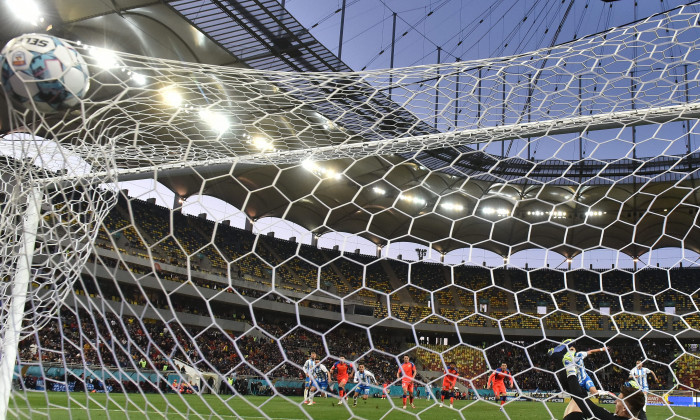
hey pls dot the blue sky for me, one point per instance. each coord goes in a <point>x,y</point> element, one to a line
<point>465,29</point>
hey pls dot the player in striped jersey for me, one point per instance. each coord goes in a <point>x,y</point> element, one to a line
<point>364,379</point>
<point>573,361</point>
<point>308,369</point>
<point>320,377</point>
<point>641,375</point>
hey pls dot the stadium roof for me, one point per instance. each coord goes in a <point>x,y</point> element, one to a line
<point>647,206</point>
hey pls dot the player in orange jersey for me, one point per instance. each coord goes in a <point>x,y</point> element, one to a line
<point>407,372</point>
<point>448,384</point>
<point>497,378</point>
<point>343,369</point>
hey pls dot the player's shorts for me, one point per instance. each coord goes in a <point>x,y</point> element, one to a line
<point>408,385</point>
<point>448,393</point>
<point>586,382</point>
<point>499,388</point>
<point>322,385</point>
<point>342,379</point>
<point>447,386</point>
<point>362,390</point>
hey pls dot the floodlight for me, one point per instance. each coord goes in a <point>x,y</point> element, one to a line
<point>25,10</point>
<point>262,143</point>
<point>452,206</point>
<point>171,96</point>
<point>104,58</point>
<point>138,78</point>
<point>215,120</point>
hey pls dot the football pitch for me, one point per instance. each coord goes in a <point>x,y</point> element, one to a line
<point>115,406</point>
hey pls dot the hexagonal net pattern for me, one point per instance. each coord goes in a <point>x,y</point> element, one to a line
<point>548,196</point>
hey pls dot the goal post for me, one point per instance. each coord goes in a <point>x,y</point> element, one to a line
<point>182,238</point>
<point>15,301</point>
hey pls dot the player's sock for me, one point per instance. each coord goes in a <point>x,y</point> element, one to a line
<point>404,400</point>
<point>306,394</point>
<point>442,398</point>
<point>410,399</point>
<point>452,400</point>
<point>341,391</point>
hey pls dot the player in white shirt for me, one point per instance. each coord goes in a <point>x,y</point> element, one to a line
<point>364,379</point>
<point>573,362</point>
<point>320,377</point>
<point>641,375</point>
<point>308,368</point>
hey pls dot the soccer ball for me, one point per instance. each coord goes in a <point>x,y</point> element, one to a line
<point>44,71</point>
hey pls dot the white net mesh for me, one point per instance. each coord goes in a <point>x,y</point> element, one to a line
<point>549,162</point>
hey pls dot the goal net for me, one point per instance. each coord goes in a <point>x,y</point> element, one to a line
<point>178,243</point>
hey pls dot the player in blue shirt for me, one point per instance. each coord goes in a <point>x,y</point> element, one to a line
<point>364,379</point>
<point>308,368</point>
<point>573,363</point>
<point>320,377</point>
<point>641,375</point>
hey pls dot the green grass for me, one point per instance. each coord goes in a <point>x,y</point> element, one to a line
<point>78,406</point>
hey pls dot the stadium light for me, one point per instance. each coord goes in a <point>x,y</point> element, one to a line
<point>26,10</point>
<point>380,191</point>
<point>320,171</point>
<point>412,199</point>
<point>104,58</point>
<point>215,120</point>
<point>171,97</point>
<point>595,213</point>
<point>452,206</point>
<point>500,212</point>
<point>329,173</point>
<point>554,214</point>
<point>262,143</point>
<point>138,78</point>
<point>309,165</point>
